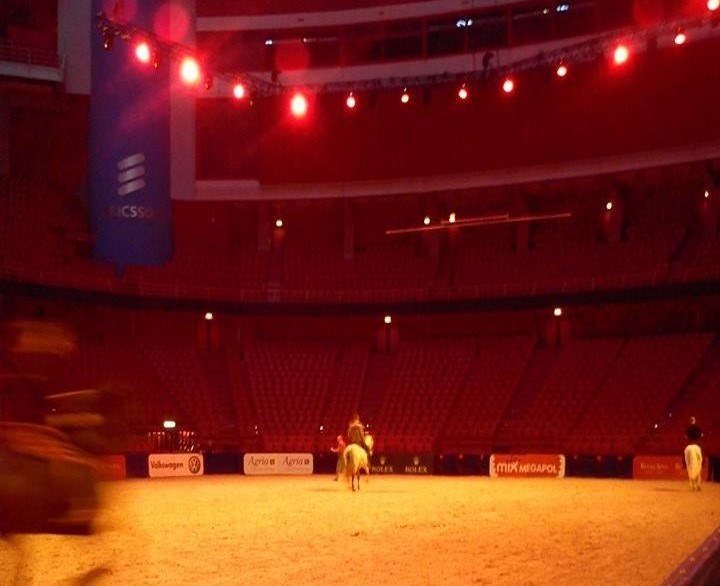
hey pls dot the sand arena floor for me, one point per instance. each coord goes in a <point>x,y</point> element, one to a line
<point>232,530</point>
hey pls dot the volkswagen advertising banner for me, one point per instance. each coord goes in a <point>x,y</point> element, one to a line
<point>163,465</point>
<point>129,145</point>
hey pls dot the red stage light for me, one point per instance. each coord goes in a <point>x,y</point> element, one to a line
<point>462,92</point>
<point>680,38</point>
<point>405,98</point>
<point>239,91</point>
<point>190,70</point>
<point>713,5</point>
<point>299,105</point>
<point>561,70</point>
<point>350,101</point>
<point>143,52</point>
<point>508,85</point>
<point>621,55</point>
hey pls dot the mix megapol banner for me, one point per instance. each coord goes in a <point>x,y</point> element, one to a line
<point>129,147</point>
<point>527,465</point>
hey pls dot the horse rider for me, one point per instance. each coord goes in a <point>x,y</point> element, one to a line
<point>356,433</point>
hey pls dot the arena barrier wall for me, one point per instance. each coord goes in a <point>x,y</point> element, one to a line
<point>111,467</point>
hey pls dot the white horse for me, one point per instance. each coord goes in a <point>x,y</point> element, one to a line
<point>356,459</point>
<point>693,463</point>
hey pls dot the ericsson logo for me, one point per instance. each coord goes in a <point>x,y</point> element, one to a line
<point>131,180</point>
<point>131,173</point>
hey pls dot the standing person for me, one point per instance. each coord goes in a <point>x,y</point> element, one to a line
<point>339,449</point>
<point>693,454</point>
<point>356,433</point>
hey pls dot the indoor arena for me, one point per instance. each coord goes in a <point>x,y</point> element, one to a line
<point>468,250</point>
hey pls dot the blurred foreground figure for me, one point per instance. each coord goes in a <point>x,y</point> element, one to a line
<point>49,460</point>
<point>48,472</point>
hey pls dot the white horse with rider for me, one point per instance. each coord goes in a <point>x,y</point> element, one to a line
<point>356,460</point>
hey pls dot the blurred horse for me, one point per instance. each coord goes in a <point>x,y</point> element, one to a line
<point>49,473</point>
<point>48,458</point>
<point>47,483</point>
<point>357,459</point>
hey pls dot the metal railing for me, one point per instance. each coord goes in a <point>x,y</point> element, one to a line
<point>28,56</point>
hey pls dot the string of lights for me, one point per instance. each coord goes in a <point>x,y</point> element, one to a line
<point>616,45</point>
<point>150,48</point>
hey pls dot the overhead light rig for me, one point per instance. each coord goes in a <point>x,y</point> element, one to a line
<point>558,60</point>
<point>561,59</point>
<point>112,29</point>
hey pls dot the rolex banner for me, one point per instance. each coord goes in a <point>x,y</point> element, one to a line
<point>129,149</point>
<point>402,464</point>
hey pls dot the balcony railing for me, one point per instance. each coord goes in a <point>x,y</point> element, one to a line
<point>31,63</point>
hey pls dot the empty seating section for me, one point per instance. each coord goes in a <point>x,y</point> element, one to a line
<point>492,379</point>
<point>178,368</point>
<point>646,376</point>
<point>701,399</point>
<point>241,277</point>
<point>483,257</point>
<point>391,269</point>
<point>444,394</point>
<point>245,411</point>
<point>349,258</point>
<point>425,379</point>
<point>121,367</point>
<point>573,380</point>
<point>289,382</point>
<point>700,260</point>
<point>344,398</point>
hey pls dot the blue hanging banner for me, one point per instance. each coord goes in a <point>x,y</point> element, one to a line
<point>129,150</point>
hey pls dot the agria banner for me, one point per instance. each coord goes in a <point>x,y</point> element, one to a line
<point>129,175</point>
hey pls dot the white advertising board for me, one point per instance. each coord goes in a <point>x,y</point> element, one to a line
<point>260,464</point>
<point>163,465</point>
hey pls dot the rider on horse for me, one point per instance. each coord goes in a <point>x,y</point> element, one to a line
<point>356,433</point>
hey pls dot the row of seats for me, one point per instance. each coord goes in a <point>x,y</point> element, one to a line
<point>432,394</point>
<point>663,242</point>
